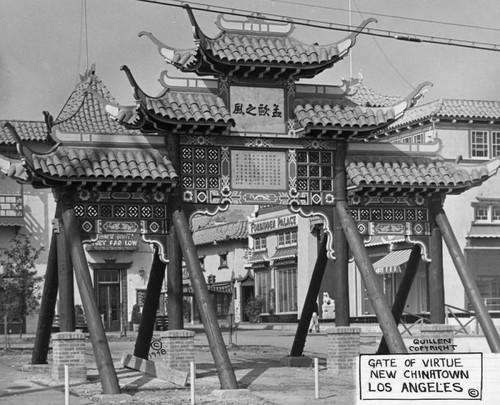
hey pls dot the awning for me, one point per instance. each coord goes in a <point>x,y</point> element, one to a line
<point>484,231</point>
<point>12,221</point>
<point>391,263</point>
<point>285,253</point>
<point>225,288</point>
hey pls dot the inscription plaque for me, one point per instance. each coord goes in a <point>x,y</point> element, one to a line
<point>258,170</point>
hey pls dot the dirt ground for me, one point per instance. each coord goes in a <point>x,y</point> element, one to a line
<point>260,377</point>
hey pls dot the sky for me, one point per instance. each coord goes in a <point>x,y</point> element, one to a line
<point>42,48</point>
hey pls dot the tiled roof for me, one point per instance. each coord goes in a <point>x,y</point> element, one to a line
<point>27,130</point>
<point>252,43</point>
<point>84,113</point>
<point>310,113</point>
<point>484,231</point>
<point>363,95</point>
<point>105,164</point>
<point>448,108</point>
<point>220,233</point>
<point>365,171</point>
<point>184,106</point>
<point>270,49</point>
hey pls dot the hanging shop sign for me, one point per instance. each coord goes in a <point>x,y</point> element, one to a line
<point>115,241</point>
<point>116,220</point>
<point>273,224</point>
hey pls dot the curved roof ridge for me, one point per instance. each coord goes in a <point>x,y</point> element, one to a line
<point>85,111</point>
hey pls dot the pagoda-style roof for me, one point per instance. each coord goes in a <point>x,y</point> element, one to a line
<point>105,165</point>
<point>32,131</point>
<point>92,146</point>
<point>85,112</point>
<point>321,116</point>
<point>65,165</point>
<point>201,111</point>
<point>180,111</point>
<point>405,172</point>
<point>254,48</point>
<point>449,110</point>
<point>221,233</point>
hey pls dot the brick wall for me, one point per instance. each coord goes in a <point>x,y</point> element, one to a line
<point>179,348</point>
<point>68,348</point>
<point>343,349</point>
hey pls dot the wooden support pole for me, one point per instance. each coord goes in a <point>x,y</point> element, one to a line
<point>468,282</point>
<point>340,242</point>
<point>311,297</point>
<point>175,303</point>
<point>403,291</point>
<point>67,321</point>
<point>436,276</point>
<point>102,354</point>
<point>174,281</point>
<point>375,293</point>
<point>47,307</point>
<point>151,301</point>
<point>214,335</point>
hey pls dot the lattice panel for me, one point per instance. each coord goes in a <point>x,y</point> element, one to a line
<point>314,171</point>
<point>201,169</point>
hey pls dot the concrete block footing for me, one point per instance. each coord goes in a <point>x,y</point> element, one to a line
<point>296,361</point>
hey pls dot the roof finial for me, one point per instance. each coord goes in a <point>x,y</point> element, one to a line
<point>87,73</point>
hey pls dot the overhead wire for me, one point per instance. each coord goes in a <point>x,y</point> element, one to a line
<point>395,16</point>
<point>384,54</point>
<point>398,35</point>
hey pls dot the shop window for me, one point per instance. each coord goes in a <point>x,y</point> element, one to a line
<point>222,303</point>
<point>479,144</point>
<point>286,290</point>
<point>287,238</point>
<point>262,287</point>
<point>481,213</point>
<point>260,243</point>
<point>495,213</point>
<point>495,144</point>
<point>417,138</point>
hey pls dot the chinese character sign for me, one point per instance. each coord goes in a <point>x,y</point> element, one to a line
<point>258,109</point>
<point>258,170</point>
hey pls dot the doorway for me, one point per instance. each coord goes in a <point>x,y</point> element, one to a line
<point>108,298</point>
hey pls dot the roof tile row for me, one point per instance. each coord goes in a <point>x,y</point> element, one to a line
<point>448,108</point>
<point>134,164</point>
<point>314,114</point>
<point>414,172</point>
<point>27,130</point>
<point>190,107</point>
<point>269,49</point>
<point>84,113</point>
